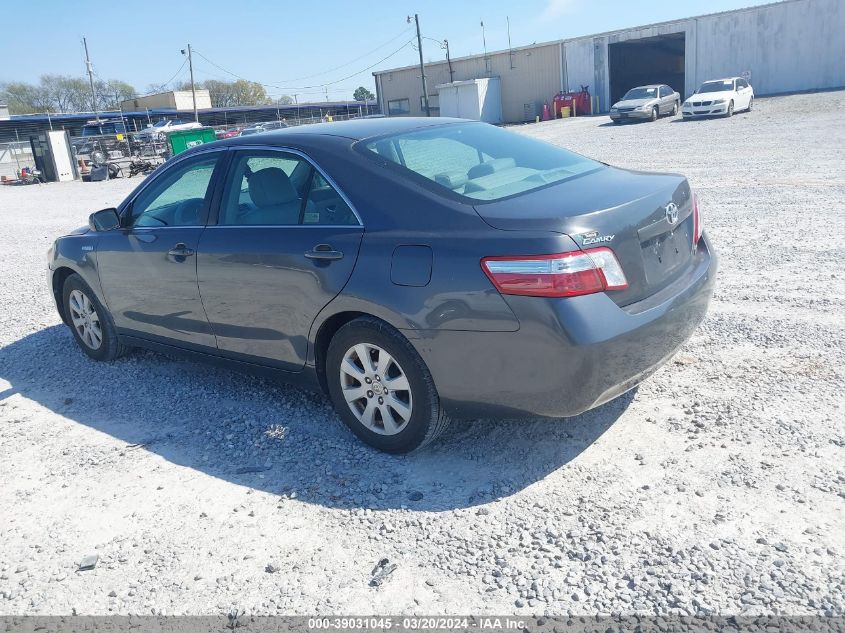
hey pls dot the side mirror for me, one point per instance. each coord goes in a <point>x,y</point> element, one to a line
<point>104,220</point>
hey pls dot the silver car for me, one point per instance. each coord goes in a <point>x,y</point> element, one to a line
<point>646,103</point>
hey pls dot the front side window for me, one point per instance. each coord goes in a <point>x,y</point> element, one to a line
<point>478,161</point>
<point>177,197</point>
<point>269,188</point>
<point>399,106</point>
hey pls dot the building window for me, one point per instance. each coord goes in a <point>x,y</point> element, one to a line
<point>433,104</point>
<point>399,106</point>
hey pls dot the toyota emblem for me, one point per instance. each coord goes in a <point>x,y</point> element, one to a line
<point>671,213</point>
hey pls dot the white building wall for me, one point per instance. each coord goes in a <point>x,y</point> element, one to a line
<point>788,46</point>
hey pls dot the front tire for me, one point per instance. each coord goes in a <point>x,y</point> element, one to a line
<point>730,111</point>
<point>90,322</point>
<point>654,113</point>
<point>750,104</point>
<point>381,388</point>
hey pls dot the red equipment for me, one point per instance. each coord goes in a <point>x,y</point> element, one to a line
<point>580,100</point>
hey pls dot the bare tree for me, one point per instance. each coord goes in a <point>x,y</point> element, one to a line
<point>112,92</point>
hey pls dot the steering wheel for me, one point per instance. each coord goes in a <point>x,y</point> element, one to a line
<point>188,212</point>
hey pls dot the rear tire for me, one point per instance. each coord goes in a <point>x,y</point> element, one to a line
<point>89,321</point>
<point>381,388</point>
<point>675,109</point>
<point>750,104</point>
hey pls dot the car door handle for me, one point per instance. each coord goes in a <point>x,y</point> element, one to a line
<point>324,252</point>
<point>180,250</point>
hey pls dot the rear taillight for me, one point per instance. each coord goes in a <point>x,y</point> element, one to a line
<point>561,275</point>
<point>697,223</point>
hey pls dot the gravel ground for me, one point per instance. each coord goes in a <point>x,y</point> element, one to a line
<point>717,487</point>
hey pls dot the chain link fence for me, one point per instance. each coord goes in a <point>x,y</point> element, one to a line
<point>13,157</point>
<point>140,149</point>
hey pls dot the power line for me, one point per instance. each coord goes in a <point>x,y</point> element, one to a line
<point>217,76</point>
<point>322,85</point>
<point>351,61</point>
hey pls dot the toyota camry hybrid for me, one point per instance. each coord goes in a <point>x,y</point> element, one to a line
<point>415,270</point>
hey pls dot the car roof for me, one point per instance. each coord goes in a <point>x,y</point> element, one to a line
<point>707,81</point>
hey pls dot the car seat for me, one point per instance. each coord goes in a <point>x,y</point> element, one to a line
<point>275,197</point>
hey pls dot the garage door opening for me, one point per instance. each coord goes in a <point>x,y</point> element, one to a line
<point>651,60</point>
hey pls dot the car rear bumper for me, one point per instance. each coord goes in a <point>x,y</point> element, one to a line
<point>569,355</point>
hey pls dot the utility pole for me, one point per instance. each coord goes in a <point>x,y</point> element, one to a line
<point>91,80</point>
<point>193,88</point>
<point>510,50</point>
<point>486,59</point>
<point>422,66</point>
<point>449,61</point>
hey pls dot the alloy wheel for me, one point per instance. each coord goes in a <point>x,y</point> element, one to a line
<point>376,389</point>
<point>85,319</point>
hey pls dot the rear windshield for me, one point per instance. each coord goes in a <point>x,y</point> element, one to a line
<point>480,161</point>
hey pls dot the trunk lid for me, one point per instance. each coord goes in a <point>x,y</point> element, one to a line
<point>646,219</point>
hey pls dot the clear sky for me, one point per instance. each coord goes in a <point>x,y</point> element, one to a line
<point>297,47</point>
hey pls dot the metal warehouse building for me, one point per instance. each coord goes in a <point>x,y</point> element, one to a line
<point>789,46</point>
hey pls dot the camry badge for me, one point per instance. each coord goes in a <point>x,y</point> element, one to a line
<point>671,213</point>
<point>593,237</point>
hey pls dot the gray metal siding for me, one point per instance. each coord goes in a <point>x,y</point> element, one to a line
<point>787,47</point>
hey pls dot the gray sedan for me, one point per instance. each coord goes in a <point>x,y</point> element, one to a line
<point>646,103</point>
<point>414,270</point>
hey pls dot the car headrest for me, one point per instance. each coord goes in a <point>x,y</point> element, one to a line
<point>490,167</point>
<point>270,186</point>
<point>451,179</point>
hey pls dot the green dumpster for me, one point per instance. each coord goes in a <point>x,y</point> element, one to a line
<point>182,140</point>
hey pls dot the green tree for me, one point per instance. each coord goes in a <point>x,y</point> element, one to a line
<point>362,94</point>
<point>24,98</point>
<point>249,93</point>
<point>284,100</point>
<point>220,93</point>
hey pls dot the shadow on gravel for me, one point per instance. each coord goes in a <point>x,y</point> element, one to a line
<point>283,440</point>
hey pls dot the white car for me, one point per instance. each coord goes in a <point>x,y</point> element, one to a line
<point>157,131</point>
<point>720,97</point>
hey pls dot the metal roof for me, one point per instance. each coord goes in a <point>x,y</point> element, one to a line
<point>116,114</point>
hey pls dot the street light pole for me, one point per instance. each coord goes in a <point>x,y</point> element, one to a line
<point>449,62</point>
<point>422,66</point>
<point>193,88</point>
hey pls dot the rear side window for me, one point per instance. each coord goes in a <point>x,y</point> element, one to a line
<point>270,188</point>
<point>478,161</point>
